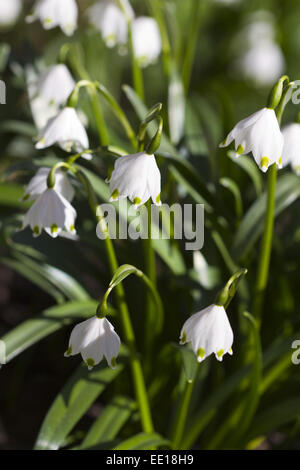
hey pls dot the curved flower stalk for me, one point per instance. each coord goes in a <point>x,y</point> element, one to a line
<point>210,332</point>
<point>50,212</point>
<point>52,13</point>
<point>111,21</point>
<point>260,134</point>
<point>67,131</point>
<point>38,185</point>
<point>9,12</point>
<point>136,177</point>
<point>291,147</point>
<point>93,339</point>
<point>55,85</point>
<point>146,39</point>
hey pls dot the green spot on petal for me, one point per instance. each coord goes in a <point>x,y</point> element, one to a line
<point>240,150</point>
<point>201,353</point>
<point>25,197</point>
<point>137,201</point>
<point>264,162</point>
<point>69,350</point>
<point>157,199</point>
<point>72,228</point>
<point>113,362</point>
<point>90,362</point>
<point>54,228</point>
<point>279,161</point>
<point>220,353</point>
<point>36,230</point>
<point>183,337</point>
<point>115,194</point>
<point>47,20</point>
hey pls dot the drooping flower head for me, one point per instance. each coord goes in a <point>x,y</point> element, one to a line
<point>93,339</point>
<point>110,20</point>
<point>55,85</point>
<point>136,177</point>
<point>66,130</point>
<point>261,135</point>
<point>146,38</point>
<point>210,332</point>
<point>52,13</point>
<point>50,212</point>
<point>38,185</point>
<point>291,147</point>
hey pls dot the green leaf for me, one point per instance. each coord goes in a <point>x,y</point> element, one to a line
<point>11,194</point>
<point>235,191</point>
<point>110,422</point>
<point>31,331</point>
<point>287,191</point>
<point>143,441</point>
<point>250,167</point>
<point>79,393</point>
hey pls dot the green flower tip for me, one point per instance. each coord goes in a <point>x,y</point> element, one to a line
<point>68,351</point>
<point>113,362</point>
<point>72,228</point>
<point>240,150</point>
<point>183,338</point>
<point>264,163</point>
<point>54,228</point>
<point>47,21</point>
<point>115,194</point>
<point>220,353</point>
<point>137,201</point>
<point>201,353</point>
<point>36,230</point>
<point>158,199</point>
<point>90,363</point>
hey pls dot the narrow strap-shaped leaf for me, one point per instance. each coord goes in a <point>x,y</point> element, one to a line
<point>71,404</point>
<point>109,423</point>
<point>143,441</point>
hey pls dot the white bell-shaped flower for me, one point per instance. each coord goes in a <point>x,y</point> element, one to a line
<point>262,63</point>
<point>93,339</point>
<point>146,39</point>
<point>41,110</point>
<point>209,331</point>
<point>51,212</point>
<point>38,184</point>
<point>106,16</point>
<point>9,12</point>
<point>66,130</point>
<point>136,177</point>
<point>261,135</point>
<point>55,85</point>
<point>52,13</point>
<point>291,147</point>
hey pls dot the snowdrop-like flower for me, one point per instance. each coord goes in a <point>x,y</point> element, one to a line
<point>51,212</point>
<point>209,331</point>
<point>136,177</point>
<point>110,20</point>
<point>261,135</point>
<point>66,130</point>
<point>263,63</point>
<point>291,147</point>
<point>41,110</point>
<point>38,185</point>
<point>54,13</point>
<point>93,339</point>
<point>146,40</point>
<point>9,12</point>
<point>55,85</point>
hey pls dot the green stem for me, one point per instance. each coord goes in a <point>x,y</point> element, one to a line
<point>181,415</point>
<point>266,245</point>
<point>150,269</point>
<point>138,378</point>
<point>136,368</point>
<point>192,43</point>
